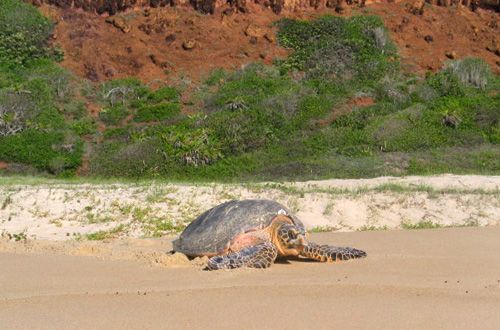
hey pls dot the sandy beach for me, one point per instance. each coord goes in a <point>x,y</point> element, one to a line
<point>421,279</point>
<point>443,278</point>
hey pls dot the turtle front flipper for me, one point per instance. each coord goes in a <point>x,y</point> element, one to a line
<point>327,253</point>
<point>257,256</point>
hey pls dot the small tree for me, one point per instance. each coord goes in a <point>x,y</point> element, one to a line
<point>16,109</point>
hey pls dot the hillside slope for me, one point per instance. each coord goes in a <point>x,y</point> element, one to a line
<point>248,96</point>
<point>151,43</point>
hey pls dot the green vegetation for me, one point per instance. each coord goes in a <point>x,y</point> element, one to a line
<point>157,227</point>
<point>40,120</point>
<point>106,234</point>
<point>372,228</point>
<point>24,34</point>
<point>297,119</point>
<point>427,224</point>
<point>323,229</point>
<point>355,50</point>
<point>19,237</point>
<point>40,125</point>
<point>125,97</point>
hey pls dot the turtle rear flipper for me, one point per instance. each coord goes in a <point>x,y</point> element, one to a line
<point>327,253</point>
<point>257,256</point>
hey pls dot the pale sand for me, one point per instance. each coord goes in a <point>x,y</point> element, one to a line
<point>421,279</point>
<point>62,211</point>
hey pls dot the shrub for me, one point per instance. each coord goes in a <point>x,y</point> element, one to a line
<point>164,94</point>
<point>470,71</point>
<point>122,97</point>
<point>16,109</point>
<point>38,99</point>
<point>116,159</point>
<point>392,89</point>
<point>196,147</point>
<point>248,87</point>
<point>264,122</point>
<point>289,102</point>
<point>458,77</point>
<point>425,127</point>
<point>41,149</point>
<point>84,126</point>
<point>216,77</point>
<point>240,131</point>
<point>411,129</point>
<point>158,112</point>
<point>121,91</point>
<point>390,128</point>
<point>117,133</point>
<point>24,33</point>
<point>336,48</point>
<point>114,115</point>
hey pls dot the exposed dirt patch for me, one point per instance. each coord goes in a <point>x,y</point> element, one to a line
<point>426,41</point>
<point>161,42</point>
<point>362,101</point>
<point>336,112</point>
<point>180,43</point>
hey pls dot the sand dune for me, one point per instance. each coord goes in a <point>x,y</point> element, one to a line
<point>64,211</point>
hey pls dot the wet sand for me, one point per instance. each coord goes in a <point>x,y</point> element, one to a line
<point>421,279</point>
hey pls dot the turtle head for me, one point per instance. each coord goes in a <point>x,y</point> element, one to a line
<point>291,238</point>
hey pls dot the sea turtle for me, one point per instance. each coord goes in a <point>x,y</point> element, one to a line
<point>253,233</point>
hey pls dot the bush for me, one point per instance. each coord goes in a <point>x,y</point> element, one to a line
<point>390,128</point>
<point>158,112</point>
<point>51,151</point>
<point>470,71</point>
<point>290,121</point>
<point>240,131</point>
<point>16,110</point>
<point>121,91</point>
<point>247,87</point>
<point>216,77</point>
<point>196,147</point>
<point>164,94</point>
<point>84,126</point>
<point>289,102</point>
<point>336,48</point>
<point>123,97</point>
<point>461,78</point>
<point>118,133</point>
<point>426,127</point>
<point>113,115</point>
<point>335,61</point>
<point>24,33</point>
<point>116,159</point>
<point>38,99</point>
<point>392,89</point>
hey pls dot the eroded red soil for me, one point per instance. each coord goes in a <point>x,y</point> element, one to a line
<point>163,42</point>
<point>180,43</point>
<point>426,41</point>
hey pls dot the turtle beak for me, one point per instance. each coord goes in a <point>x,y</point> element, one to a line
<point>303,240</point>
<point>300,242</point>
